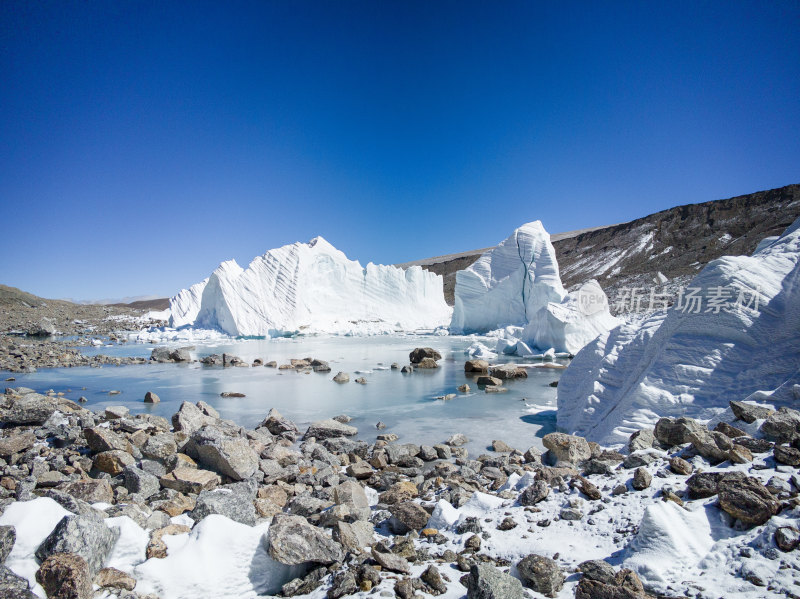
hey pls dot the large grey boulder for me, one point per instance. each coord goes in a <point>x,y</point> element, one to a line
<point>279,426</point>
<point>676,432</point>
<point>190,418</point>
<point>420,353</point>
<point>748,412</point>
<point>102,438</point>
<point>746,499</point>
<point>354,536</point>
<point>712,445</point>
<point>293,541</point>
<point>230,456</point>
<point>139,482</point>
<point>160,447</point>
<point>8,536</point>
<point>782,426</point>
<point>85,536</point>
<point>567,448</point>
<point>642,439</point>
<point>542,574</point>
<point>391,562</point>
<point>33,408</point>
<point>13,586</point>
<point>534,493</point>
<point>325,429</point>
<point>234,504</point>
<point>16,444</point>
<point>352,495</point>
<point>409,516</point>
<point>44,328</point>
<point>487,582</point>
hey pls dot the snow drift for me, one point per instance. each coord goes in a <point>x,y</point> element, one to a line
<point>517,283</point>
<point>311,287</point>
<point>692,362</point>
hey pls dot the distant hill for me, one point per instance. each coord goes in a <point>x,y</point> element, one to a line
<point>161,303</point>
<point>676,242</point>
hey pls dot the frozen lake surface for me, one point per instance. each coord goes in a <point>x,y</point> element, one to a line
<point>404,402</point>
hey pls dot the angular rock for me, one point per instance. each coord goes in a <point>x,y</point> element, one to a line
<point>782,426</point>
<point>729,430</point>
<point>237,506</point>
<point>420,353</point>
<point>410,515</point>
<point>599,570</point>
<point>487,582</point>
<point>480,366</point>
<point>534,493</point>
<point>151,397</point>
<point>785,454</point>
<point>292,541</point>
<point>279,426</point>
<point>567,448</point>
<point>746,499</point>
<point>100,439</point>
<point>8,536</point>
<point>65,576</point>
<point>228,455</point>
<point>703,484</point>
<point>341,377</point>
<point>115,579</point>
<point>190,418</point>
<point>641,479</point>
<point>325,429</point>
<point>508,372</point>
<point>140,482</point>
<point>90,490</point>
<point>427,364</point>
<point>16,443</point>
<point>157,547</point>
<point>354,536</point>
<point>748,412</point>
<point>353,496</point>
<point>87,537</point>
<point>14,586</point>
<point>488,381</point>
<point>113,462</point>
<point>391,562</point>
<point>542,574</point>
<point>673,432</point>
<point>787,538</point>
<point>642,439</point>
<point>190,480</point>
<point>713,446</point>
<point>680,466</point>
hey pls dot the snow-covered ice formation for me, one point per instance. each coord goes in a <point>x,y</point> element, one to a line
<point>314,288</point>
<point>185,306</point>
<point>517,283</point>
<point>691,362</point>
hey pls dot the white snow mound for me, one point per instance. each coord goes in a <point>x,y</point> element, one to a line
<point>691,363</point>
<point>313,288</point>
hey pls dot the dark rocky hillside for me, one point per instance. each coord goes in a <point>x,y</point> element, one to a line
<point>676,242</point>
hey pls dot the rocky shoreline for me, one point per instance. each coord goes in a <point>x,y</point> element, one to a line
<point>345,517</point>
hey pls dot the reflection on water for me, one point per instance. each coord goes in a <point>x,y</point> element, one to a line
<point>404,402</point>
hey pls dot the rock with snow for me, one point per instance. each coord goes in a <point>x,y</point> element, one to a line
<point>65,576</point>
<point>293,541</point>
<point>88,537</point>
<point>542,574</point>
<point>689,361</point>
<point>487,582</point>
<point>326,429</point>
<point>311,287</point>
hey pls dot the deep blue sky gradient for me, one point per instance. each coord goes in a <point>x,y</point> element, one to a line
<point>144,142</point>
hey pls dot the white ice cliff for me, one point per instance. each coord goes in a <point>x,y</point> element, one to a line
<point>687,362</point>
<point>312,287</point>
<point>517,283</point>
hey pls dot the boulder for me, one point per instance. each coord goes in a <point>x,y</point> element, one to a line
<point>325,429</point>
<point>420,353</point>
<point>139,482</point>
<point>487,582</point>
<point>410,515</point>
<point>542,574</point>
<point>746,499</point>
<point>391,561</point>
<point>190,480</point>
<point>85,536</point>
<point>567,448</point>
<point>427,363</point>
<point>44,328</point>
<point>787,538</point>
<point>354,536</point>
<point>671,432</point>
<point>228,455</point>
<point>160,447</point>
<point>352,495</point>
<point>151,397</point>
<point>641,479</point>
<point>748,412</point>
<point>236,505</point>
<point>680,466</point>
<point>33,408</point>
<point>190,418</point>
<point>534,493</point>
<point>703,484</point>
<point>785,454</point>
<point>488,381</point>
<point>293,541</point>
<point>341,377</point>
<point>642,439</point>
<point>14,586</point>
<point>509,371</point>
<point>16,443</point>
<point>101,438</point>
<point>156,547</point>
<point>480,366</point>
<point>782,426</point>
<point>597,569</point>
<point>114,579</point>
<point>713,446</point>
<point>65,576</point>
<point>113,462</point>
<point>279,426</point>
<point>90,490</point>
<point>8,536</point>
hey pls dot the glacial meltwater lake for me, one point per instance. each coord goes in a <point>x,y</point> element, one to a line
<point>404,402</point>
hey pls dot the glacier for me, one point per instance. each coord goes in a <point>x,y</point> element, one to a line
<point>312,288</point>
<point>517,284</point>
<point>681,362</point>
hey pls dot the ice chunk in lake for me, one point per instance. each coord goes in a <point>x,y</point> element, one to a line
<point>690,361</point>
<point>313,288</point>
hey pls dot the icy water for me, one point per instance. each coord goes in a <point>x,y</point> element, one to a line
<point>404,402</point>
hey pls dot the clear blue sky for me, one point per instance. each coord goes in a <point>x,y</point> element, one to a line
<point>144,142</point>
